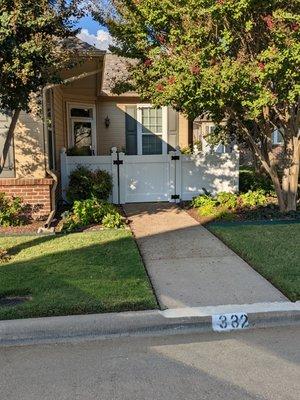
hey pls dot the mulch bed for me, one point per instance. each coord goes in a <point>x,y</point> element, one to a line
<point>30,228</point>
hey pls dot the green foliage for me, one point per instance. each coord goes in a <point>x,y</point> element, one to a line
<point>237,61</point>
<point>12,211</point>
<point>203,200</point>
<point>224,204</point>
<point>91,211</point>
<point>85,184</point>
<point>79,151</point>
<point>228,200</point>
<point>113,220</point>
<point>33,47</point>
<point>253,199</point>
<point>250,180</point>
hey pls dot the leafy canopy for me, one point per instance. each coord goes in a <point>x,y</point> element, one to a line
<point>33,46</point>
<point>226,57</point>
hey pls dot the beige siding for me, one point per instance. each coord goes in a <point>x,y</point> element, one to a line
<point>115,134</point>
<point>183,131</point>
<point>29,147</point>
<point>85,88</point>
<point>59,123</point>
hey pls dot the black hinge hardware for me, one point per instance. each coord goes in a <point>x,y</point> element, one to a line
<point>118,162</point>
<point>175,197</point>
<point>175,158</point>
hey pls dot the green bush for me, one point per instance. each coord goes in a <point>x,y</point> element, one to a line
<point>12,211</point>
<point>228,200</point>
<point>79,151</point>
<point>113,220</point>
<point>91,211</point>
<point>251,180</point>
<point>253,198</point>
<point>203,200</point>
<point>223,204</point>
<point>85,184</point>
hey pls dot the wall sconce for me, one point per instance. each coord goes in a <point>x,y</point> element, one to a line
<point>107,122</point>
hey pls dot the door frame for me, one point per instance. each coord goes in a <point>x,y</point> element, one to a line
<point>71,120</point>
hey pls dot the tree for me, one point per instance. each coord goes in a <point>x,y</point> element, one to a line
<point>238,60</point>
<point>33,49</point>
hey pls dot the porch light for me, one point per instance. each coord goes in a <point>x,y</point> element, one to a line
<point>107,122</point>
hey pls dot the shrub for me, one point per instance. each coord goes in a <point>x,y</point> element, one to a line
<point>113,220</point>
<point>79,151</point>
<point>253,199</point>
<point>203,200</point>
<point>91,211</point>
<point>85,184</point>
<point>12,211</point>
<point>251,180</point>
<point>223,204</point>
<point>229,200</point>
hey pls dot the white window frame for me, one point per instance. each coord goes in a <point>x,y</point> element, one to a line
<point>71,120</point>
<point>140,133</point>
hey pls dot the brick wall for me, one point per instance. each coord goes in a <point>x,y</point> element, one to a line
<point>35,192</point>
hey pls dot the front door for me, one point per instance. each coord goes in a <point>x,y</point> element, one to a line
<point>82,127</point>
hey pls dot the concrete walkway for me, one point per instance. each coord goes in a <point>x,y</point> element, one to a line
<point>190,267</point>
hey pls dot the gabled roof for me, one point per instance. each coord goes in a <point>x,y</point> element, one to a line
<point>116,69</point>
<point>74,43</point>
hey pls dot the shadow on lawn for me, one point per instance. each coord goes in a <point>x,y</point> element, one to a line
<point>90,279</point>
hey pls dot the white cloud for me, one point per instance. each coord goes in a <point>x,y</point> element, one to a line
<point>101,40</point>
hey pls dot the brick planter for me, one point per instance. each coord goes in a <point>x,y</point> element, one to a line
<point>35,192</point>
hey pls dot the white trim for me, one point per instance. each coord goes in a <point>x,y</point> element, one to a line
<point>71,120</point>
<point>164,132</point>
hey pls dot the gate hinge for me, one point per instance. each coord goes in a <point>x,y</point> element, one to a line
<point>175,197</point>
<point>118,162</point>
<point>175,158</point>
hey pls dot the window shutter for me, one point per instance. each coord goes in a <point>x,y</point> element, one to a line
<point>9,170</point>
<point>173,129</point>
<point>131,130</point>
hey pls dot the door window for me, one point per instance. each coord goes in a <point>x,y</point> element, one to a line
<point>82,126</point>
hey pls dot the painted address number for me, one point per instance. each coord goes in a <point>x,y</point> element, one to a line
<point>229,322</point>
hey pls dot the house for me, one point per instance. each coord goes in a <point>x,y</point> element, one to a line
<point>84,116</point>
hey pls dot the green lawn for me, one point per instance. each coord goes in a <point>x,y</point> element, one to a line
<point>89,272</point>
<point>273,249</point>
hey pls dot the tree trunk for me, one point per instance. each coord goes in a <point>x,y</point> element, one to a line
<point>290,177</point>
<point>9,136</point>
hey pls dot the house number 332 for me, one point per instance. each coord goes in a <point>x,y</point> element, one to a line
<point>228,322</point>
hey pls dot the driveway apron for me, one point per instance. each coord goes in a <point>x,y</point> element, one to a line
<point>189,266</point>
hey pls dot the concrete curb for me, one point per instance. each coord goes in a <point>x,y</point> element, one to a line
<point>154,322</point>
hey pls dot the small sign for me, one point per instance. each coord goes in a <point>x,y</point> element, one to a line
<point>229,322</point>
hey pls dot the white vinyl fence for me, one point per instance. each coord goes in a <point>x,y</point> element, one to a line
<point>172,177</point>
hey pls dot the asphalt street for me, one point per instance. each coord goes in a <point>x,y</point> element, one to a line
<point>255,364</point>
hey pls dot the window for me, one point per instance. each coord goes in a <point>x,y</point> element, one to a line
<point>151,131</point>
<point>82,126</point>
<point>277,138</point>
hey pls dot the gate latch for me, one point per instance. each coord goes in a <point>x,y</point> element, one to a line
<point>175,158</point>
<point>118,162</point>
<point>175,197</point>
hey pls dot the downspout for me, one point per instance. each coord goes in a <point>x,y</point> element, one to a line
<point>46,153</point>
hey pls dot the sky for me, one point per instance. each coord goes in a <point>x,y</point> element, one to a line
<point>93,33</point>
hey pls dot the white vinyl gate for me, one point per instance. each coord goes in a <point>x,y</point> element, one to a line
<point>172,177</point>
